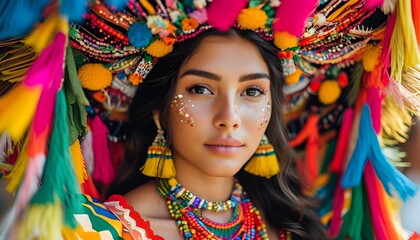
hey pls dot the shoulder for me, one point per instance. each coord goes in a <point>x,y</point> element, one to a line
<point>147,201</point>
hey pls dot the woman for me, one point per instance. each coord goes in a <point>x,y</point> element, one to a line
<point>215,96</point>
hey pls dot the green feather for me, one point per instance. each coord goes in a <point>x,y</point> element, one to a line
<point>353,220</point>
<point>76,100</point>
<point>352,91</point>
<point>59,177</point>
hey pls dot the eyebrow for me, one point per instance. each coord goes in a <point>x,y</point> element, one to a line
<point>213,76</point>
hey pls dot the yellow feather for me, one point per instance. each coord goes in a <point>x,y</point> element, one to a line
<point>15,177</point>
<point>42,222</point>
<point>17,109</point>
<point>78,162</point>
<point>44,33</point>
<point>405,51</point>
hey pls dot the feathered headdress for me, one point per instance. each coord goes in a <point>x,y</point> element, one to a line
<point>352,84</point>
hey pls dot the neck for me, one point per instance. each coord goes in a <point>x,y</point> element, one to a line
<point>210,188</point>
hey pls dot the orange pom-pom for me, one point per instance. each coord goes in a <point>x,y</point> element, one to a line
<point>329,92</point>
<point>285,40</point>
<point>135,79</point>
<point>252,18</point>
<point>293,77</point>
<point>158,49</point>
<point>371,57</point>
<point>189,24</point>
<point>94,76</point>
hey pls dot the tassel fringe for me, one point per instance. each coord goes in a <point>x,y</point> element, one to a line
<point>264,162</point>
<point>154,167</point>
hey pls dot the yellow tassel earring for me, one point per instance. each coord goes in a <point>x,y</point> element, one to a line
<point>158,151</point>
<point>264,161</point>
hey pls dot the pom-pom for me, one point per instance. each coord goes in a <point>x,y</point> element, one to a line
<point>284,40</point>
<point>222,14</point>
<point>139,35</point>
<point>94,76</point>
<point>315,85</point>
<point>293,77</point>
<point>370,58</point>
<point>189,24</point>
<point>372,4</point>
<point>135,79</point>
<point>329,91</point>
<point>252,18</point>
<point>158,49</point>
<point>342,79</point>
<point>291,16</point>
<point>200,15</point>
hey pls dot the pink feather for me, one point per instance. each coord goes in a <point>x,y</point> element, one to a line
<point>372,192</point>
<point>375,103</point>
<point>386,51</point>
<point>336,220</point>
<point>103,170</point>
<point>292,14</point>
<point>372,4</point>
<point>222,14</point>
<point>336,164</point>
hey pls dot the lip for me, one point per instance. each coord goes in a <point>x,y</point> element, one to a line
<point>224,146</point>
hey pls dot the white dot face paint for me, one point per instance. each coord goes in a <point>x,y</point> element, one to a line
<point>261,115</point>
<point>181,108</point>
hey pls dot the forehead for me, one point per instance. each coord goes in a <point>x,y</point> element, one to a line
<point>221,53</point>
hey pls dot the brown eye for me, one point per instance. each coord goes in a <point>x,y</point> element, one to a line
<point>252,92</point>
<point>201,90</point>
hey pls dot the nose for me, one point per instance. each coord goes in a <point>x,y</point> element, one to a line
<point>228,115</point>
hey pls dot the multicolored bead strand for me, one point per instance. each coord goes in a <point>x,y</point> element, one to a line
<point>245,223</point>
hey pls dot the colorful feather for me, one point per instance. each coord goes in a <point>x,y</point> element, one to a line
<point>405,50</point>
<point>372,4</point>
<point>103,170</point>
<point>19,16</point>
<point>291,16</point>
<point>74,9</point>
<point>368,148</point>
<point>343,141</point>
<point>59,185</point>
<point>375,105</point>
<point>309,133</point>
<point>382,225</point>
<point>223,14</point>
<point>47,69</point>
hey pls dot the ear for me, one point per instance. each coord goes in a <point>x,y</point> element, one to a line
<point>156,118</point>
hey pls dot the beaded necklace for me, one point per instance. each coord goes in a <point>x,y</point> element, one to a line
<point>185,208</point>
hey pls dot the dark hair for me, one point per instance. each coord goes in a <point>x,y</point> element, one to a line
<point>279,198</point>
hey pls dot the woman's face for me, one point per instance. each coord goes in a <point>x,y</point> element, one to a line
<point>221,107</point>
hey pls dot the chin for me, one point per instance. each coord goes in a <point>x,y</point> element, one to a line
<point>223,171</point>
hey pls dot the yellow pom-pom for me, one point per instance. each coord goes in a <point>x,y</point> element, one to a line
<point>329,91</point>
<point>159,49</point>
<point>94,76</point>
<point>252,18</point>
<point>285,40</point>
<point>294,77</point>
<point>370,58</point>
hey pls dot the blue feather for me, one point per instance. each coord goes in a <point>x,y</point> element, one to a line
<point>19,16</point>
<point>73,9</point>
<point>117,4</point>
<point>368,148</point>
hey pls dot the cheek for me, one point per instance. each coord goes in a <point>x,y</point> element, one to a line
<point>258,115</point>
<point>183,110</point>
